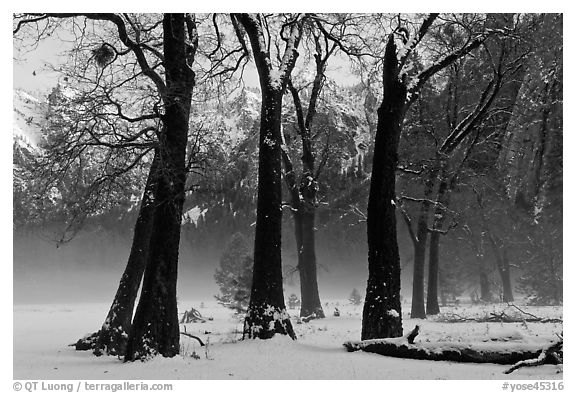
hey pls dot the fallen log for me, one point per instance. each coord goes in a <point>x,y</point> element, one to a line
<point>494,317</point>
<point>519,316</point>
<point>499,353</point>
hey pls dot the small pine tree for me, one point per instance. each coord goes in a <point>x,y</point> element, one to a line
<point>355,297</point>
<point>234,276</point>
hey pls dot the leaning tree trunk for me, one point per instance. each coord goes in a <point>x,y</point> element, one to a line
<point>113,335</point>
<point>155,329</point>
<point>304,219</point>
<point>267,311</point>
<point>382,313</point>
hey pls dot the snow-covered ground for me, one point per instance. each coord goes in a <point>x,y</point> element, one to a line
<point>42,334</point>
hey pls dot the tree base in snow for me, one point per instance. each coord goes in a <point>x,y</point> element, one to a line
<point>102,342</point>
<point>265,322</point>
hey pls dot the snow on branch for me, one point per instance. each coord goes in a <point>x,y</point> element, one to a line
<point>444,62</point>
<point>405,52</point>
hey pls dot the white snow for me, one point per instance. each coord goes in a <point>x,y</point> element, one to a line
<point>275,79</point>
<point>193,215</point>
<point>42,333</point>
<point>28,118</point>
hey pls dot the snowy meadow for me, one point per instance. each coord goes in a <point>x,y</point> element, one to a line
<point>42,334</point>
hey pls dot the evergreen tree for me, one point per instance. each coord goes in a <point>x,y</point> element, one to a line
<point>234,276</point>
<point>355,297</point>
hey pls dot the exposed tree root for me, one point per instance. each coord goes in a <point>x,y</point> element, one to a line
<point>308,318</point>
<point>551,355</point>
<point>86,343</point>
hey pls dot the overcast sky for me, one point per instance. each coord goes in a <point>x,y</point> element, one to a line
<point>32,66</point>
<point>30,61</point>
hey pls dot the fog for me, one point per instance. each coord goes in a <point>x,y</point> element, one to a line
<point>88,268</point>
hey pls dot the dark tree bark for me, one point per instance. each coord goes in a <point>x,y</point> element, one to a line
<point>432,306</point>
<point>155,329</point>
<point>478,250</point>
<point>420,242</point>
<point>303,195</point>
<point>507,292</point>
<point>485,294</point>
<point>382,314</point>
<point>503,266</point>
<point>305,239</point>
<point>498,247</point>
<point>447,183</point>
<point>267,298</point>
<point>266,313</point>
<point>113,335</point>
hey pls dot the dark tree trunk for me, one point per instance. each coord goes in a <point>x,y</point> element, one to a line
<point>113,335</point>
<point>267,312</point>
<point>418,310</point>
<point>304,196</point>
<point>155,329</point>
<point>303,206</point>
<point>382,314</point>
<point>305,239</point>
<point>507,294</point>
<point>485,294</point>
<point>503,266</point>
<point>432,307</point>
<point>420,243</point>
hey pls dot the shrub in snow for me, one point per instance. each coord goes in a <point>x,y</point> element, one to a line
<point>192,315</point>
